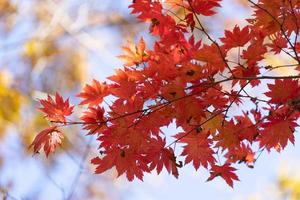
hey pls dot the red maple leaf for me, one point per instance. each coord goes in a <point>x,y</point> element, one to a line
<point>228,136</point>
<point>225,171</point>
<point>255,52</point>
<point>125,86</point>
<point>146,9</point>
<point>247,129</point>
<point>204,7</point>
<point>213,56</point>
<point>283,90</point>
<point>94,119</point>
<point>236,38</point>
<point>125,161</point>
<point>93,94</point>
<point>197,149</point>
<point>162,157</point>
<point>241,154</point>
<point>278,43</point>
<point>47,140</point>
<point>277,133</point>
<point>56,109</point>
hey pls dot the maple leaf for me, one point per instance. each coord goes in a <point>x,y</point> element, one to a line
<point>190,111</point>
<point>134,55</point>
<point>228,136</point>
<point>125,86</point>
<point>213,56</point>
<point>48,140</point>
<point>146,9</point>
<point>225,171</point>
<point>276,134</point>
<point>236,38</point>
<point>214,124</point>
<point>162,157</point>
<point>278,43</point>
<point>125,161</point>
<point>191,72</point>
<point>93,94</point>
<point>250,71</point>
<point>152,123</point>
<point>56,109</point>
<point>247,129</point>
<point>240,154</point>
<point>263,21</point>
<point>297,46</point>
<point>283,91</point>
<point>255,52</point>
<point>172,91</point>
<point>94,119</point>
<point>197,149</point>
<point>214,97</point>
<point>204,7</point>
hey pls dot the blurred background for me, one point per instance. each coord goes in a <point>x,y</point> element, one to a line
<point>59,45</point>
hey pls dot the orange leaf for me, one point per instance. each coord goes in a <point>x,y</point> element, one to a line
<point>47,140</point>
<point>56,109</point>
<point>134,55</point>
<point>93,94</point>
<point>94,119</point>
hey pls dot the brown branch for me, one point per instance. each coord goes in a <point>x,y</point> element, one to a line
<point>249,79</point>
<point>162,105</point>
<point>240,95</point>
<point>282,49</point>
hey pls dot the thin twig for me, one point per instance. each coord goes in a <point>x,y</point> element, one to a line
<point>210,38</point>
<point>80,170</point>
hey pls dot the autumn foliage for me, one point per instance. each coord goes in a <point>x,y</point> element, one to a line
<point>202,85</point>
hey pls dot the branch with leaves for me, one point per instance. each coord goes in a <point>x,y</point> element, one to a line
<point>194,84</point>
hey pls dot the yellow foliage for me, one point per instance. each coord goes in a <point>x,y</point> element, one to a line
<point>10,101</point>
<point>36,49</point>
<point>77,67</point>
<point>290,187</point>
<point>70,71</point>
